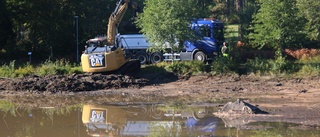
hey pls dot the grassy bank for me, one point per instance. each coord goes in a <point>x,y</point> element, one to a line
<point>256,66</point>
<point>221,66</point>
<point>62,67</point>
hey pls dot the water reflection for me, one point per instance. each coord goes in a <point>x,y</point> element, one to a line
<point>134,120</point>
<point>146,121</point>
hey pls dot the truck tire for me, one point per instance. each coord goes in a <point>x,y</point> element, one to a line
<point>156,113</point>
<point>142,57</point>
<point>156,57</point>
<point>200,56</point>
<point>199,114</point>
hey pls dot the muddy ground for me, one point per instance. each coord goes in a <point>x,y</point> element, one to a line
<point>294,100</point>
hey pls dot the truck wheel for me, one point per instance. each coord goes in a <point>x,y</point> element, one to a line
<point>142,57</point>
<point>199,114</point>
<point>156,113</point>
<point>199,56</point>
<point>156,57</point>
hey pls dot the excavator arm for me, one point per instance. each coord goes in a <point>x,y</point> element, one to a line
<point>116,17</point>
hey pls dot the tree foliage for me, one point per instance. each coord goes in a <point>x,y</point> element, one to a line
<point>245,18</point>
<point>310,9</point>
<point>168,20</point>
<point>5,25</point>
<point>224,10</point>
<point>277,25</point>
<point>48,26</point>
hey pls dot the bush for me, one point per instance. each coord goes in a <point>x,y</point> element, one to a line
<point>222,65</point>
<point>187,67</point>
<point>309,70</point>
<point>75,69</point>
<point>280,66</point>
<point>310,66</point>
<point>302,53</point>
<point>61,67</point>
<point>24,70</point>
<point>8,70</point>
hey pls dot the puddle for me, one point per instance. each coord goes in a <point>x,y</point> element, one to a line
<point>153,120</point>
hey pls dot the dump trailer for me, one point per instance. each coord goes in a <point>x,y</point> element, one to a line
<point>136,45</point>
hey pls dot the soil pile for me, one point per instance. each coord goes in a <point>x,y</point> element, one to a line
<point>73,82</point>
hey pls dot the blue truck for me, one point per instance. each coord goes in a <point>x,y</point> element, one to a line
<point>209,30</point>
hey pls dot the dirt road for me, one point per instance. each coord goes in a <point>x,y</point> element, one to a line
<point>286,99</point>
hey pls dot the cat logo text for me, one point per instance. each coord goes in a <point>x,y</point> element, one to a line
<point>97,60</point>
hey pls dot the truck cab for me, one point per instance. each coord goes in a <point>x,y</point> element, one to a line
<point>211,37</point>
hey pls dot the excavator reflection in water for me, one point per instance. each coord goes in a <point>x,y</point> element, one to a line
<point>146,120</point>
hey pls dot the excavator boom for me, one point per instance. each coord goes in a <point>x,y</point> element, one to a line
<point>116,17</point>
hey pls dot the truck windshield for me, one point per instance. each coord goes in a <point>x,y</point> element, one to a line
<point>205,31</point>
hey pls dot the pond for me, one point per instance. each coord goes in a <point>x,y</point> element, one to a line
<point>131,120</point>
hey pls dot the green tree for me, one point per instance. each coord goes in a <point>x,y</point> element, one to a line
<point>48,26</point>
<point>227,10</point>
<point>5,25</point>
<point>168,20</point>
<point>17,12</point>
<point>246,13</point>
<point>277,25</point>
<point>310,9</point>
<point>220,10</point>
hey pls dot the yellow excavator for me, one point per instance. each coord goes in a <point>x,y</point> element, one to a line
<point>101,54</point>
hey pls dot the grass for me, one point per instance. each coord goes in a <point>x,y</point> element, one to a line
<point>8,107</point>
<point>61,67</point>
<point>309,67</point>
<point>231,34</point>
<point>231,31</point>
<point>187,67</point>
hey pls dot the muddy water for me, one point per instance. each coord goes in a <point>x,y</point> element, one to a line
<point>135,120</point>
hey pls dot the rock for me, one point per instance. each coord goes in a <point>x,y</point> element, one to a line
<point>303,91</point>
<point>240,107</point>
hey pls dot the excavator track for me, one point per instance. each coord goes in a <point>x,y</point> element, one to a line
<point>130,67</point>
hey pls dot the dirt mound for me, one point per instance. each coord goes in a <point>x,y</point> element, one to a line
<point>73,82</point>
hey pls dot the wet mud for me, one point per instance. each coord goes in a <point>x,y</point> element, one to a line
<point>293,100</point>
<point>72,83</point>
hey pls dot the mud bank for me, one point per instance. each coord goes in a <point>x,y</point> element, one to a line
<point>294,100</point>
